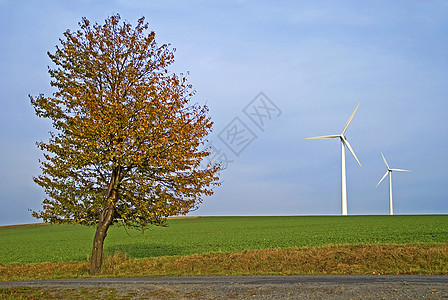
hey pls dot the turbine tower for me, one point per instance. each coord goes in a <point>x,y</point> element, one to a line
<point>389,172</point>
<point>344,143</point>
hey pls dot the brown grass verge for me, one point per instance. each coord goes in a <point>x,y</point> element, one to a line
<point>428,259</point>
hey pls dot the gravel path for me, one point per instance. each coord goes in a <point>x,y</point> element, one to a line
<point>261,287</point>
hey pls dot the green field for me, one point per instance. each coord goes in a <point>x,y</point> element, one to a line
<point>59,243</point>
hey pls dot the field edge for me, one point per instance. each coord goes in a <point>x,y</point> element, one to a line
<point>361,259</point>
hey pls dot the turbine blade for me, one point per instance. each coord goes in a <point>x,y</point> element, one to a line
<point>349,120</point>
<point>323,137</point>
<point>382,178</point>
<point>400,170</point>
<point>385,161</point>
<point>346,143</point>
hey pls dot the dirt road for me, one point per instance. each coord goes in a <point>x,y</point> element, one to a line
<point>261,287</point>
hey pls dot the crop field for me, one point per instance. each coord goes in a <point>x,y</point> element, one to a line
<point>195,236</point>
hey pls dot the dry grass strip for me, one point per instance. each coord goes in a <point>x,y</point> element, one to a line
<point>428,259</point>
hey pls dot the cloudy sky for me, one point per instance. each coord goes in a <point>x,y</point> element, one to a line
<point>313,62</point>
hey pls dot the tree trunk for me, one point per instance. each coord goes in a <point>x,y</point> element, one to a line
<point>106,217</point>
<point>98,241</point>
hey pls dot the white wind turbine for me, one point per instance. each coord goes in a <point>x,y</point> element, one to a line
<point>344,143</point>
<point>389,172</point>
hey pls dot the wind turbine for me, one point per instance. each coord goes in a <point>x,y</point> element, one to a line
<point>389,172</point>
<point>344,143</point>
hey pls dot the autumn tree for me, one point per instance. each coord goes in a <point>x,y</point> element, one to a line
<point>126,140</point>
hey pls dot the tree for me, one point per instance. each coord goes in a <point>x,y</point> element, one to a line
<point>127,138</point>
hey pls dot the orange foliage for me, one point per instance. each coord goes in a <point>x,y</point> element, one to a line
<point>126,136</point>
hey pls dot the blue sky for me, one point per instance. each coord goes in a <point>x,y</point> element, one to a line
<point>315,60</point>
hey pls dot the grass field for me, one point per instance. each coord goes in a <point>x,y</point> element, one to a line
<point>182,237</point>
<point>209,246</point>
